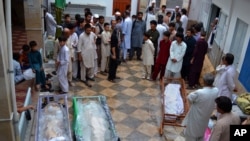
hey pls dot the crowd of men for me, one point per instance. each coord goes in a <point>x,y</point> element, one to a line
<point>160,39</point>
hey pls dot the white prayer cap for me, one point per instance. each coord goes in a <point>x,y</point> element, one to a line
<point>153,1</point>
<point>96,16</point>
<point>177,6</point>
<point>117,13</point>
<point>216,18</point>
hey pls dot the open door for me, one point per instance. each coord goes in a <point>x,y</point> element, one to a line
<point>120,4</point>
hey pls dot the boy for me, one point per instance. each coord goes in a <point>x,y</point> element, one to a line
<point>36,64</point>
<point>62,63</point>
<point>148,56</point>
<point>23,59</point>
<point>163,55</point>
<point>105,47</point>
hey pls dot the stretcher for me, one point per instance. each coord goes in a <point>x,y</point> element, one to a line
<point>78,131</point>
<point>173,119</point>
<point>64,131</point>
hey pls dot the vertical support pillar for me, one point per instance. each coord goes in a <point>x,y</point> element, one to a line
<point>7,132</point>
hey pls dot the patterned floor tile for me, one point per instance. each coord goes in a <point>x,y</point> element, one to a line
<point>130,92</point>
<point>106,83</point>
<point>137,136</point>
<point>131,122</point>
<point>135,102</point>
<point>126,108</point>
<point>123,130</point>
<point>146,83</point>
<point>143,128</point>
<point>113,103</point>
<point>108,92</point>
<point>126,83</point>
<point>152,92</point>
<point>140,114</point>
<point>118,116</point>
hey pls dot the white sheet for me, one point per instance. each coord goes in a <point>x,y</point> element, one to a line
<point>173,100</point>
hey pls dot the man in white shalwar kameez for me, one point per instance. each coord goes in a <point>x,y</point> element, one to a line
<point>149,17</point>
<point>177,51</point>
<point>66,33</point>
<point>126,31</point>
<point>105,47</point>
<point>50,24</point>
<point>228,77</point>
<point>161,29</point>
<point>73,41</point>
<point>148,51</point>
<point>87,54</point>
<point>201,107</point>
<point>63,59</point>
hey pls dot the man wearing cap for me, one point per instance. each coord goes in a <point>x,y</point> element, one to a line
<point>177,10</point>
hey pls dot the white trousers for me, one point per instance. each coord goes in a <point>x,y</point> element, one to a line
<point>146,71</point>
<point>104,63</point>
<point>86,72</point>
<point>62,78</point>
<point>74,69</point>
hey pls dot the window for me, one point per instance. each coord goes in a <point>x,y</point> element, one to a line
<point>245,73</point>
<point>239,36</point>
<point>220,29</point>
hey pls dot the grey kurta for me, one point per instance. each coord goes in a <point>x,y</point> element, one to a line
<point>138,29</point>
<point>202,104</point>
<point>87,48</point>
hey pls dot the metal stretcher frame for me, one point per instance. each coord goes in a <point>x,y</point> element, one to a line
<point>53,98</point>
<point>178,118</point>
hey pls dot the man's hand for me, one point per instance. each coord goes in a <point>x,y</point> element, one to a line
<point>191,61</point>
<point>235,89</point>
<point>72,59</point>
<point>174,60</point>
<point>33,70</point>
<point>113,57</point>
<point>80,58</point>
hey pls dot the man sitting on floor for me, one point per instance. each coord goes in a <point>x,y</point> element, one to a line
<point>18,75</point>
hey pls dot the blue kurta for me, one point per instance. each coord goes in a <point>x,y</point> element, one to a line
<point>138,29</point>
<point>36,63</point>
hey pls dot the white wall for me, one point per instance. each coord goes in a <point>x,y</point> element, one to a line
<point>195,9</point>
<point>108,4</point>
<point>240,10</point>
<point>225,5</point>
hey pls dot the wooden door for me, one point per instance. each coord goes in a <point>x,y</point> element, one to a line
<point>120,4</point>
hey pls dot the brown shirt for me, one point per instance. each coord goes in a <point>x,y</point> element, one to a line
<point>221,130</point>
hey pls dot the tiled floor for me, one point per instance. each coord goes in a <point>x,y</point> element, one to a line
<point>134,103</point>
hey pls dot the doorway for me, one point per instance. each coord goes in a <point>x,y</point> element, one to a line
<point>121,5</point>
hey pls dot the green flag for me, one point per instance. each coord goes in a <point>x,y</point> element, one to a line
<point>60,4</point>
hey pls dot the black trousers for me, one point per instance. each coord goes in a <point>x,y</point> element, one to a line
<point>113,63</point>
<point>132,52</point>
<point>185,71</point>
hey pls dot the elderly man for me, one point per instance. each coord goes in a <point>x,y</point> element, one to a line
<point>196,120</point>
<point>221,130</point>
<point>177,10</point>
<point>228,77</point>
